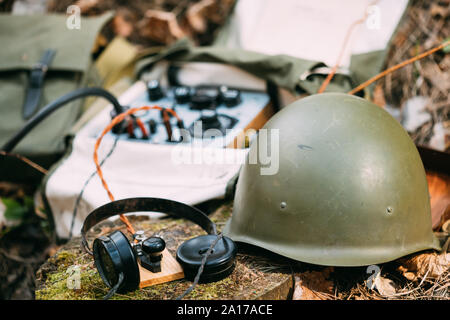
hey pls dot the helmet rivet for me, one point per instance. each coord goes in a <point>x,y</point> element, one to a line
<point>389,210</point>
<point>283,205</point>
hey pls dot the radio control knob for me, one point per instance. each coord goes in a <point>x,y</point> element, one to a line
<point>182,95</point>
<point>154,90</point>
<point>231,97</point>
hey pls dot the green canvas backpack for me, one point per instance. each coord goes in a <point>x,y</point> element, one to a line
<point>42,59</point>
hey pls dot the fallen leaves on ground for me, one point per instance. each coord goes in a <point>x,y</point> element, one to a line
<point>425,25</point>
<point>313,285</point>
<point>439,190</point>
<point>160,26</point>
<point>155,22</point>
<point>384,286</point>
<point>123,23</point>
<point>433,265</point>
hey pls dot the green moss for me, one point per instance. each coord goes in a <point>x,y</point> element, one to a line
<point>91,286</point>
<point>57,282</point>
<point>215,290</point>
<point>64,258</point>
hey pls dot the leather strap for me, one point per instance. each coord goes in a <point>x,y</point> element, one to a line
<point>36,82</point>
<point>170,207</point>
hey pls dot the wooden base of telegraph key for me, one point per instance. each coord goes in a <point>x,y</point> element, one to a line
<point>170,270</point>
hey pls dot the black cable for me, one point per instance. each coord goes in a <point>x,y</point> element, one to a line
<point>80,195</point>
<point>116,287</point>
<point>55,105</point>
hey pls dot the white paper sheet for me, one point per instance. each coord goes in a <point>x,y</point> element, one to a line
<point>313,30</point>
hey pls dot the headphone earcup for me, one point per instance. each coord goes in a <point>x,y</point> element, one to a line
<point>219,264</point>
<point>113,255</point>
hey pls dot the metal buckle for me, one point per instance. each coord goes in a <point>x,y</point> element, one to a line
<point>39,66</point>
<point>324,71</point>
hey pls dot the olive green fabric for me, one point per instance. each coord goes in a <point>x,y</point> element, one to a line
<point>365,66</point>
<point>351,188</point>
<point>282,70</point>
<point>24,39</point>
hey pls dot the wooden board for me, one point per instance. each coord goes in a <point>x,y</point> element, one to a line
<point>170,270</point>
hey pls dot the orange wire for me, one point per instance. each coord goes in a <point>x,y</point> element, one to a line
<point>142,127</point>
<point>341,54</point>
<point>119,118</point>
<point>330,76</point>
<point>398,66</point>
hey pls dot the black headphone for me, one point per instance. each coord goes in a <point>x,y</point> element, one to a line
<point>116,258</point>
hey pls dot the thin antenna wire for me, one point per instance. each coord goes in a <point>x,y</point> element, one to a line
<point>398,66</point>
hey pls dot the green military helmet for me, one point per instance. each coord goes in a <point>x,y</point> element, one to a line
<point>350,190</point>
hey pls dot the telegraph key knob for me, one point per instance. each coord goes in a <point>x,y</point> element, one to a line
<point>153,245</point>
<point>152,249</point>
<point>154,90</point>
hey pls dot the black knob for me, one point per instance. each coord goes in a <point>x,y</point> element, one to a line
<point>182,94</point>
<point>231,97</point>
<point>121,126</point>
<point>205,98</point>
<point>153,245</point>
<point>210,120</point>
<point>199,102</point>
<point>154,90</point>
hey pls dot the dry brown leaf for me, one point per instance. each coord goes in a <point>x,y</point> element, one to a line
<point>196,14</point>
<point>313,285</point>
<point>378,96</point>
<point>199,14</point>
<point>121,24</point>
<point>446,225</point>
<point>384,286</point>
<point>86,5</point>
<point>439,190</point>
<point>439,78</point>
<point>431,264</point>
<point>445,63</point>
<point>437,10</point>
<point>160,26</point>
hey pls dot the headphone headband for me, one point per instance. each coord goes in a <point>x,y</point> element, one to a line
<point>170,207</point>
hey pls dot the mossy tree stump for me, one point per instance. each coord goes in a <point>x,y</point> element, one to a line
<point>255,276</point>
